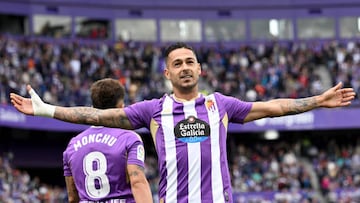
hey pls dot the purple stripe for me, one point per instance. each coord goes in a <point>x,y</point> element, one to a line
<point>206,158</point>
<point>182,161</point>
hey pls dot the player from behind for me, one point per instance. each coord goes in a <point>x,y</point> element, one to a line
<point>106,164</point>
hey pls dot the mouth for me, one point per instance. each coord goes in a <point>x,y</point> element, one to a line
<point>186,77</point>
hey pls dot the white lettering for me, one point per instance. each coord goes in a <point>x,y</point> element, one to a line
<point>112,141</point>
<point>192,133</point>
<point>91,138</point>
<point>98,137</point>
<point>95,138</point>
<point>77,145</point>
<point>105,138</point>
<point>84,140</point>
<point>189,126</point>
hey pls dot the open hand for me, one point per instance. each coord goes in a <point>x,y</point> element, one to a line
<point>22,104</point>
<point>337,96</point>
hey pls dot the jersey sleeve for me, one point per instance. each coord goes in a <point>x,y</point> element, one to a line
<point>140,113</point>
<point>236,109</point>
<point>135,150</point>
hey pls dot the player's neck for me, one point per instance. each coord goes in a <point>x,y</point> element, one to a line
<point>187,97</point>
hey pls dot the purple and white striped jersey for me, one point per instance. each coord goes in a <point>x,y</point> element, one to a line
<point>97,159</point>
<point>190,139</point>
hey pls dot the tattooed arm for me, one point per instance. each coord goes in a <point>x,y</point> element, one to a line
<point>115,117</point>
<point>332,98</point>
<point>82,115</point>
<point>139,184</point>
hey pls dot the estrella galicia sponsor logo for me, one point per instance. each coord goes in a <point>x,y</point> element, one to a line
<point>192,130</point>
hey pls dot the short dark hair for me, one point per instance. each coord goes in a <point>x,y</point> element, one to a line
<point>106,93</point>
<point>177,45</point>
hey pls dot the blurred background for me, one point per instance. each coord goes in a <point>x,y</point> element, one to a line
<point>253,50</point>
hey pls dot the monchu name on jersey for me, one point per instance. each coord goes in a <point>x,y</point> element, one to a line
<point>95,138</point>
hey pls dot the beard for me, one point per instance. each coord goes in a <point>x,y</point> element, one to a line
<point>186,87</point>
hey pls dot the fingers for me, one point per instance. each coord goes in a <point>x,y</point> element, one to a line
<point>15,98</point>
<point>347,100</point>
<point>347,90</point>
<point>343,104</point>
<point>348,95</point>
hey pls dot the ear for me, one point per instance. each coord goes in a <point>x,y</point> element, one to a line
<point>199,68</point>
<point>166,73</point>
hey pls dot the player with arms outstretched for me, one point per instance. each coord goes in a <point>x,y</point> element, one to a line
<point>189,129</point>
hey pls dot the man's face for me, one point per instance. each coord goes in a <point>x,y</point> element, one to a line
<point>182,69</point>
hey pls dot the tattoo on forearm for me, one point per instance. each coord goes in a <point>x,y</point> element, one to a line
<point>123,122</point>
<point>133,173</point>
<point>136,172</point>
<point>78,115</point>
<point>299,106</point>
<point>93,116</point>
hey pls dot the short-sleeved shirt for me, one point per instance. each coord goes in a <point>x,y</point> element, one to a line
<point>97,159</point>
<point>190,139</point>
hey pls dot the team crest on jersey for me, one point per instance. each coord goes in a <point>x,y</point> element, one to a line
<point>210,105</point>
<point>140,153</point>
<point>192,130</point>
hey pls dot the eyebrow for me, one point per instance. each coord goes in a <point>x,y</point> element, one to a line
<point>186,59</point>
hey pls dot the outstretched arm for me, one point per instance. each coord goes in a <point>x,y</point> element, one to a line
<point>332,98</point>
<point>82,115</point>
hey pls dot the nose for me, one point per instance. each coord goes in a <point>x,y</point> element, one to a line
<point>185,69</point>
<point>185,66</point>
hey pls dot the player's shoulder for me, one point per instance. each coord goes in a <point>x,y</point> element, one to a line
<point>221,96</point>
<point>218,94</point>
<point>153,100</point>
<point>145,104</point>
<point>215,95</point>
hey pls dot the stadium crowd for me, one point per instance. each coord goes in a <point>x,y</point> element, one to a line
<point>17,186</point>
<point>299,171</point>
<point>337,166</point>
<point>303,168</point>
<point>62,73</point>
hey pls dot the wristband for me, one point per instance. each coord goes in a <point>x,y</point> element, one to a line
<point>41,108</point>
